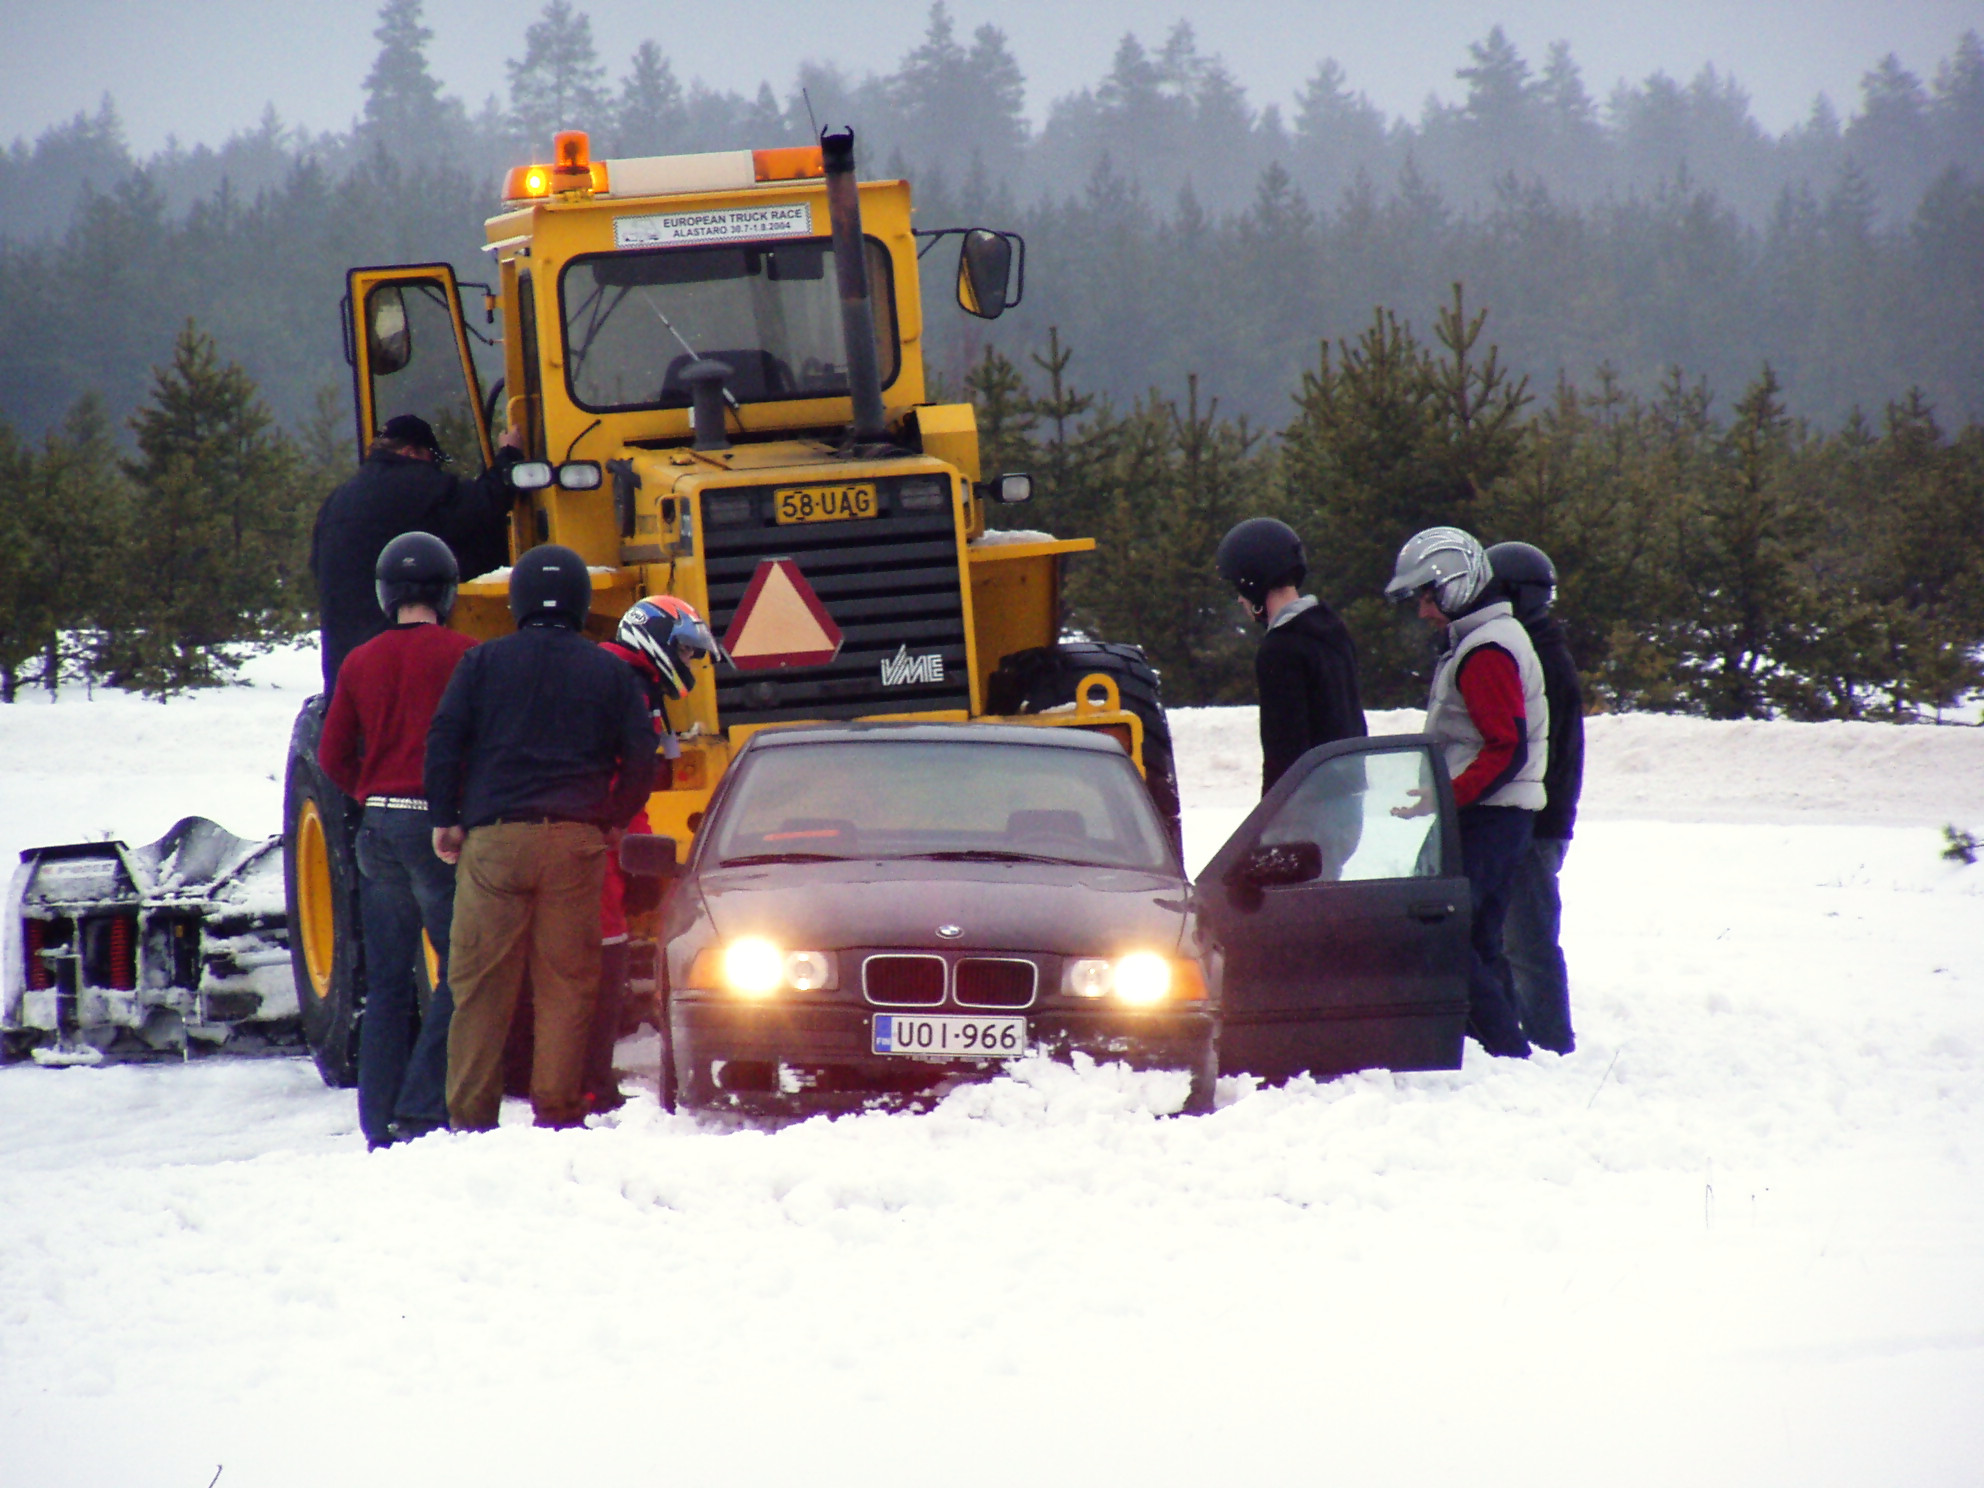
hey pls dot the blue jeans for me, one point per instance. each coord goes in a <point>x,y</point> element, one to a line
<point>402,889</point>
<point>1536,914</point>
<point>1493,842</point>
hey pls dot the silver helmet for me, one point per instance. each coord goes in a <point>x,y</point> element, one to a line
<point>1446,560</point>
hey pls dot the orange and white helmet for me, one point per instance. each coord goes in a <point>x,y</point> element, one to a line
<point>669,633</point>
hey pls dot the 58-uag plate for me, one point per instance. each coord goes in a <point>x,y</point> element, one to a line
<point>944,1037</point>
<point>823,503</point>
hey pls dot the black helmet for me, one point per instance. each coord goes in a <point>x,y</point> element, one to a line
<point>1527,576</point>
<point>416,568</point>
<point>550,585</point>
<point>1258,555</point>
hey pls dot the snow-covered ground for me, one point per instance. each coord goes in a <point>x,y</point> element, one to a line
<point>1737,1238</point>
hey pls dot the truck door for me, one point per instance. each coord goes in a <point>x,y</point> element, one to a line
<point>1336,928</point>
<point>408,345</point>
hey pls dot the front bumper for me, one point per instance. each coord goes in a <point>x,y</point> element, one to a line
<point>795,1054</point>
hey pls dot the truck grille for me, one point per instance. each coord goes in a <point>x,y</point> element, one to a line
<point>890,583</point>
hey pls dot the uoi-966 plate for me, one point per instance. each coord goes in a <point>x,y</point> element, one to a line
<point>941,1037</point>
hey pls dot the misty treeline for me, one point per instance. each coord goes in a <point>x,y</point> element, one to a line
<point>1176,226</point>
<point>160,561</point>
<point>1736,564</point>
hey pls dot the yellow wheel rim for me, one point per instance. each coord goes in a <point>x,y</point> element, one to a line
<point>314,906</point>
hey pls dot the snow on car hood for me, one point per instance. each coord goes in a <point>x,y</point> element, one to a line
<point>1068,911</point>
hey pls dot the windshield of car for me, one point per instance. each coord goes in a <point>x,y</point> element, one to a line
<point>770,312</point>
<point>965,801</point>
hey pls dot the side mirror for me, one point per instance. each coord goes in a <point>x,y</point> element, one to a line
<point>1274,863</point>
<point>530,475</point>
<point>985,272</point>
<point>388,337</point>
<point>647,856</point>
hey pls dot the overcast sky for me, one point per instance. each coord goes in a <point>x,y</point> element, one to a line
<point>201,69</point>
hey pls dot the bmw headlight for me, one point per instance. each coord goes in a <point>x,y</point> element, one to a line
<point>754,967</point>
<point>1141,978</point>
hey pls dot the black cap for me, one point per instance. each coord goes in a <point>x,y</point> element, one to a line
<point>413,431</point>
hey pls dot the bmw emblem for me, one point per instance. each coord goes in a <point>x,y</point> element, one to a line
<point>950,932</point>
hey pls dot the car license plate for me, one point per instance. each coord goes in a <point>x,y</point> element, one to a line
<point>950,1038</point>
<point>824,503</point>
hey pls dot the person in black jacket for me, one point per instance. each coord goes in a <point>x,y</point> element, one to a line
<point>401,486</point>
<point>1530,934</point>
<point>539,754</point>
<point>1306,668</point>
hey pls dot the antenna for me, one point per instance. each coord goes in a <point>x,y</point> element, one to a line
<point>808,97</point>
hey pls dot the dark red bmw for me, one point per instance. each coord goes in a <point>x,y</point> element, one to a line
<point>884,910</point>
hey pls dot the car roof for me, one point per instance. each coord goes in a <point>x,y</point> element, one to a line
<point>1039,737</point>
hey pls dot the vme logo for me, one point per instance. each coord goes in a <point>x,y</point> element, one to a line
<point>904,670</point>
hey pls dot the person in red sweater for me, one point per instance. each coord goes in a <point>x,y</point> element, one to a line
<point>373,748</point>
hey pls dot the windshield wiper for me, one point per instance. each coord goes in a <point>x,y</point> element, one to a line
<point>751,859</point>
<point>728,396</point>
<point>994,855</point>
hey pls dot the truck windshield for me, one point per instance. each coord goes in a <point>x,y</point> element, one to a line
<point>913,799</point>
<point>770,312</point>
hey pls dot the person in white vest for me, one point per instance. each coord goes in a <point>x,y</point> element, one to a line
<point>1487,710</point>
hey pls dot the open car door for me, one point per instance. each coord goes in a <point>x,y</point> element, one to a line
<point>1335,928</point>
<point>407,342</point>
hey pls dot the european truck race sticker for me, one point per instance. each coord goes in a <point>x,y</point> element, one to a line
<point>729,225</point>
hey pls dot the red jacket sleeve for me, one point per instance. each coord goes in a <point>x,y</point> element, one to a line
<point>1491,686</point>
<point>339,747</point>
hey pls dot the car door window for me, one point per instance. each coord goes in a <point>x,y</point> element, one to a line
<point>1372,814</point>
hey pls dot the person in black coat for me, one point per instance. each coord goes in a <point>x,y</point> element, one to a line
<point>400,487</point>
<point>540,753</point>
<point>1306,669</point>
<point>1531,933</point>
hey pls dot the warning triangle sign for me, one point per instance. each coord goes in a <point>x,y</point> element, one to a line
<point>780,622</point>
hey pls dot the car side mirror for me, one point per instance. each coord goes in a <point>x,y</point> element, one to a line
<point>647,856</point>
<point>985,273</point>
<point>1274,863</point>
<point>388,337</point>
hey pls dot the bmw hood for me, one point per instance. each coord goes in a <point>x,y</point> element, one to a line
<point>1050,908</point>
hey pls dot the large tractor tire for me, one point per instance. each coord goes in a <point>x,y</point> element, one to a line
<point>1046,677</point>
<point>320,877</point>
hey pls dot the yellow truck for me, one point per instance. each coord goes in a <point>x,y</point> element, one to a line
<point>715,364</point>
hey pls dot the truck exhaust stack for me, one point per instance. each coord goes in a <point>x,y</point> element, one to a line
<point>857,316</point>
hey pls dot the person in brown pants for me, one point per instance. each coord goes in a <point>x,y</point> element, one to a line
<point>539,755</point>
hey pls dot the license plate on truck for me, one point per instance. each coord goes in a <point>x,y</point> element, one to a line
<point>824,503</point>
<point>949,1038</point>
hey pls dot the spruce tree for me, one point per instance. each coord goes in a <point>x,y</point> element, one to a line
<point>559,82</point>
<point>403,103</point>
<point>66,508</point>
<point>215,527</point>
<point>649,117</point>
